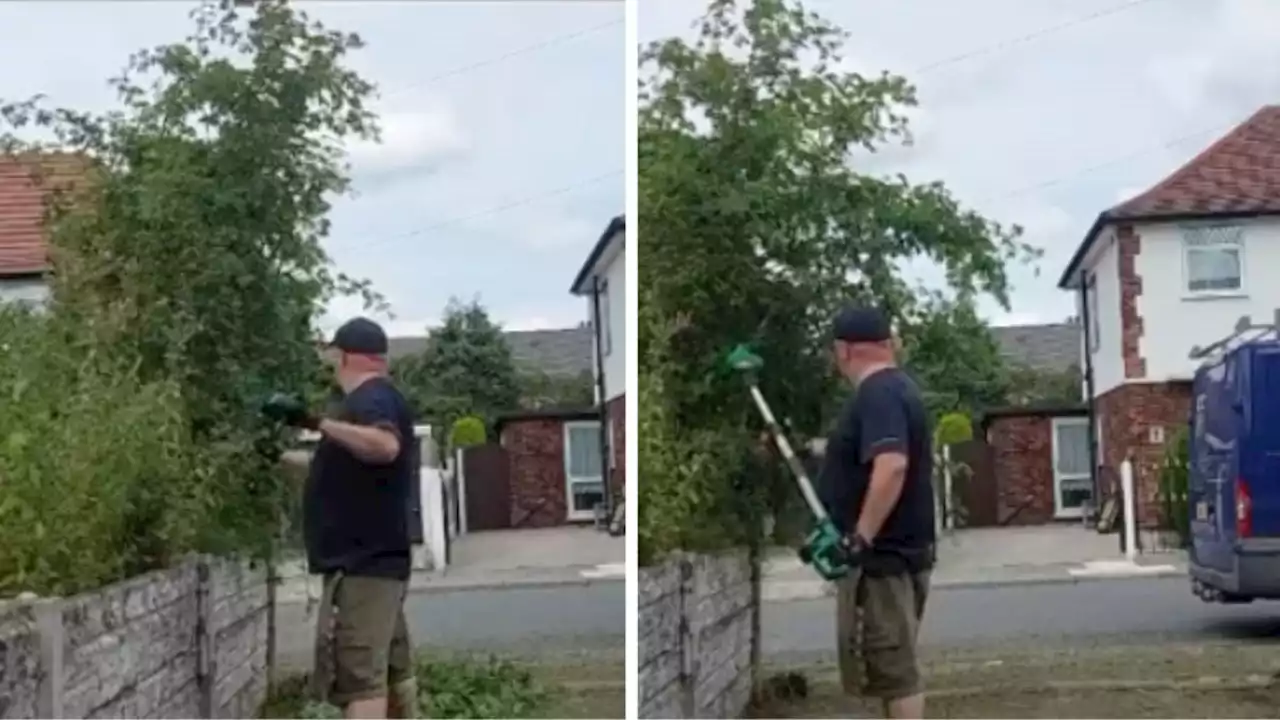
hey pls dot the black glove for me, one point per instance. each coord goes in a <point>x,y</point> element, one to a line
<point>855,549</point>
<point>290,410</point>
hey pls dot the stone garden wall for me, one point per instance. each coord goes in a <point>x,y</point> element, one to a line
<point>696,627</point>
<point>187,642</point>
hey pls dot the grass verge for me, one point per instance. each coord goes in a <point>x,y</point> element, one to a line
<point>825,700</point>
<point>472,686</point>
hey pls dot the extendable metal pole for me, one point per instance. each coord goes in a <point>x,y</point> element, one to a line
<point>802,478</point>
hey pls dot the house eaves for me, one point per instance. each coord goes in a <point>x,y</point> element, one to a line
<point>1237,177</point>
<point>615,229</point>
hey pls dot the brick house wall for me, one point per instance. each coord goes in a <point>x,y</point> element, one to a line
<point>535,448</point>
<point>1126,416</point>
<point>1021,451</point>
<point>616,411</point>
<point>534,444</point>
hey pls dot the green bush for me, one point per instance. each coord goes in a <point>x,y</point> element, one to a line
<point>953,429</point>
<point>1174,477</point>
<point>467,431</point>
<point>457,687</point>
<point>99,476</point>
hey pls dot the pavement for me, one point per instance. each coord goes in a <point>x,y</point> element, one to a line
<point>500,559</point>
<point>992,557</point>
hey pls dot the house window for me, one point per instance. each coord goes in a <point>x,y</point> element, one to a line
<point>1093,333</point>
<point>606,328</point>
<point>1213,259</point>
<point>584,478</point>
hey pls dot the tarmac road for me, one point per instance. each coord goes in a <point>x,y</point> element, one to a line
<point>565,622</point>
<point>1137,610</point>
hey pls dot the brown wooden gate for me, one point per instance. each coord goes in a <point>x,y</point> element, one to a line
<point>487,470</point>
<point>979,491</point>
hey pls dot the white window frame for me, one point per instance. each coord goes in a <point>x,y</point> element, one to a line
<point>569,479</point>
<point>1060,512</point>
<point>1201,238</point>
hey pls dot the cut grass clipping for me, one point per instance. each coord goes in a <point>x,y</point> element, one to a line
<point>447,688</point>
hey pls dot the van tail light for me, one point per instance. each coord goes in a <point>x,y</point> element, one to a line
<point>1244,509</point>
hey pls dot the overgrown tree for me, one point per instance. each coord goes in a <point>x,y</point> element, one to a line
<point>1042,386</point>
<point>465,368</point>
<point>192,253</point>
<point>955,356</point>
<point>541,389</point>
<point>757,226</point>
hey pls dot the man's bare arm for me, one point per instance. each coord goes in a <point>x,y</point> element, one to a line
<point>888,473</point>
<point>372,444</point>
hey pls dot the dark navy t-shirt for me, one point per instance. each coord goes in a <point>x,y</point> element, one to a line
<point>886,414</point>
<point>355,515</point>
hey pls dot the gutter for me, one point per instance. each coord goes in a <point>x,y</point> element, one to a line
<point>1107,218</point>
<point>1090,401</point>
<point>605,456</point>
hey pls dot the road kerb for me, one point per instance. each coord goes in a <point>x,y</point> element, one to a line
<point>296,591</point>
<point>817,589</point>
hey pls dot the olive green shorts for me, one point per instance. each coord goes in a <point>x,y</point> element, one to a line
<point>362,642</point>
<point>877,625</point>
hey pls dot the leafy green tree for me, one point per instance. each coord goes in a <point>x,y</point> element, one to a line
<point>757,226</point>
<point>540,389</point>
<point>465,368</point>
<point>191,253</point>
<point>955,356</point>
<point>1040,386</point>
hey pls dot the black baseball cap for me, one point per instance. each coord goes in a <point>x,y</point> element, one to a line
<point>360,336</point>
<point>862,325</point>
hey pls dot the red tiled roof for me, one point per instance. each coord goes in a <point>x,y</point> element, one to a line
<point>1238,175</point>
<point>23,248</point>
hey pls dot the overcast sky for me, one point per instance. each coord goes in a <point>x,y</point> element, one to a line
<point>503,126</point>
<point>1046,112</point>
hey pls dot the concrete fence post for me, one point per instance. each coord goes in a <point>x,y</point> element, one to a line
<point>48,615</point>
<point>205,672</point>
<point>687,641</point>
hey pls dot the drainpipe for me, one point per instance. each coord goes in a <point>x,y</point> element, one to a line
<point>605,455</point>
<point>1090,403</point>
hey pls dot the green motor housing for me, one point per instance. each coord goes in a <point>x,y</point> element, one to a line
<point>824,551</point>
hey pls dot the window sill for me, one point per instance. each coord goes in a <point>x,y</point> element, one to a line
<point>1225,295</point>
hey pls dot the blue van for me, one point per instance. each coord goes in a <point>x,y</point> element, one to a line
<point>1234,468</point>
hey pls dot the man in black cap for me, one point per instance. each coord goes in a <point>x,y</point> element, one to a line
<point>356,527</point>
<point>877,481</point>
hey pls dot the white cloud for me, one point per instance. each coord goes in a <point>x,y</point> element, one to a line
<point>411,139</point>
<point>543,322</point>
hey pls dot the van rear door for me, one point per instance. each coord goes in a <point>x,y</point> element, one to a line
<point>1212,466</point>
<point>1260,440</point>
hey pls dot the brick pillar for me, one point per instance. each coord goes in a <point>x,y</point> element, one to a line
<point>1127,415</point>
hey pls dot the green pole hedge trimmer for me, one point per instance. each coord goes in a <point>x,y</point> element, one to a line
<point>825,548</point>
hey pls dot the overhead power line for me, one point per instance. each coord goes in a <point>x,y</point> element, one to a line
<point>496,59</point>
<point>1033,35</point>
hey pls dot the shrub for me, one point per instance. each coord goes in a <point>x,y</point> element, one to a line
<point>1174,478</point>
<point>459,687</point>
<point>953,429</point>
<point>99,476</point>
<point>467,431</point>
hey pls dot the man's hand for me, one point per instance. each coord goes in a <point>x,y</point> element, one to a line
<point>291,411</point>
